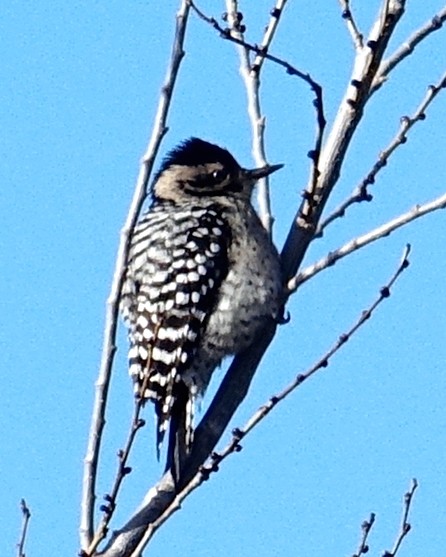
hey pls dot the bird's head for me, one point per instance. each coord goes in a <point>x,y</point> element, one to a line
<point>196,168</point>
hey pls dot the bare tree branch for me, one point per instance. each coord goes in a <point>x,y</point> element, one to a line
<point>252,85</point>
<point>270,31</point>
<point>109,347</point>
<point>360,193</point>
<point>26,514</point>
<point>407,48</point>
<point>333,153</point>
<point>403,531</point>
<point>109,507</point>
<point>226,34</point>
<point>405,525</point>
<point>366,527</point>
<point>361,241</point>
<point>251,78</point>
<point>356,35</point>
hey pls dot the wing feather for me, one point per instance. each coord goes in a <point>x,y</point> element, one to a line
<point>176,265</point>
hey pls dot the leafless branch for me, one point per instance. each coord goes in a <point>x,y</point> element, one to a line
<point>310,195</point>
<point>403,531</point>
<point>407,48</point>
<point>109,507</point>
<point>109,347</point>
<point>268,36</point>
<point>349,115</point>
<point>226,34</point>
<point>250,74</point>
<point>366,527</point>
<point>405,525</point>
<point>361,193</point>
<point>252,84</point>
<point>356,35</point>
<point>26,514</point>
<point>361,241</point>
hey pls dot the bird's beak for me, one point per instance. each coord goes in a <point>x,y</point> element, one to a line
<point>258,173</point>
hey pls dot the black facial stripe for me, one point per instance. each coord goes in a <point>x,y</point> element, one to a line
<point>192,189</point>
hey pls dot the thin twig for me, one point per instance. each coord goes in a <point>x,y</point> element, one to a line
<point>226,34</point>
<point>250,74</point>
<point>361,193</point>
<point>109,347</point>
<point>239,433</point>
<point>252,86</point>
<point>356,35</point>
<point>405,525</point>
<point>268,36</point>
<point>310,194</point>
<point>26,513</point>
<point>357,243</point>
<point>109,507</point>
<point>407,48</point>
<point>366,527</point>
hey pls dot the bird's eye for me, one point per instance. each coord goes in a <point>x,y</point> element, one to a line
<point>219,175</point>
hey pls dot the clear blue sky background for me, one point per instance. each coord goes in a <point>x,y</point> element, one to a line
<point>79,88</point>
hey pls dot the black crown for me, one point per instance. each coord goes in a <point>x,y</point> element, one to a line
<point>194,151</point>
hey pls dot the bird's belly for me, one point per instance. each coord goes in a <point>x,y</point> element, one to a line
<point>247,299</point>
<point>249,295</point>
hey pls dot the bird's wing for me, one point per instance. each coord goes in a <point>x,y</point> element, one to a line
<point>175,269</point>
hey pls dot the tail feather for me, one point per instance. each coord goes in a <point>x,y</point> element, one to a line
<point>180,430</point>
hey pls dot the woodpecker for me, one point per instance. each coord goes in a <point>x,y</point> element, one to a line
<point>202,279</point>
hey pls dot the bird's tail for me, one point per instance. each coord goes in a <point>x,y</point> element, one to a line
<point>181,430</point>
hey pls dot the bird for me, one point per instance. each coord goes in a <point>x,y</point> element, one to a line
<point>202,279</point>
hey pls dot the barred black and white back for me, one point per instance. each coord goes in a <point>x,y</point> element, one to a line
<point>177,262</point>
<point>202,277</point>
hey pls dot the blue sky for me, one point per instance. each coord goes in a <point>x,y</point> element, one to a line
<point>78,95</point>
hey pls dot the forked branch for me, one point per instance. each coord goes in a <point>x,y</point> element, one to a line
<point>250,75</point>
<point>405,527</point>
<point>332,155</point>
<point>361,193</point>
<point>357,243</point>
<point>357,37</point>
<point>407,48</point>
